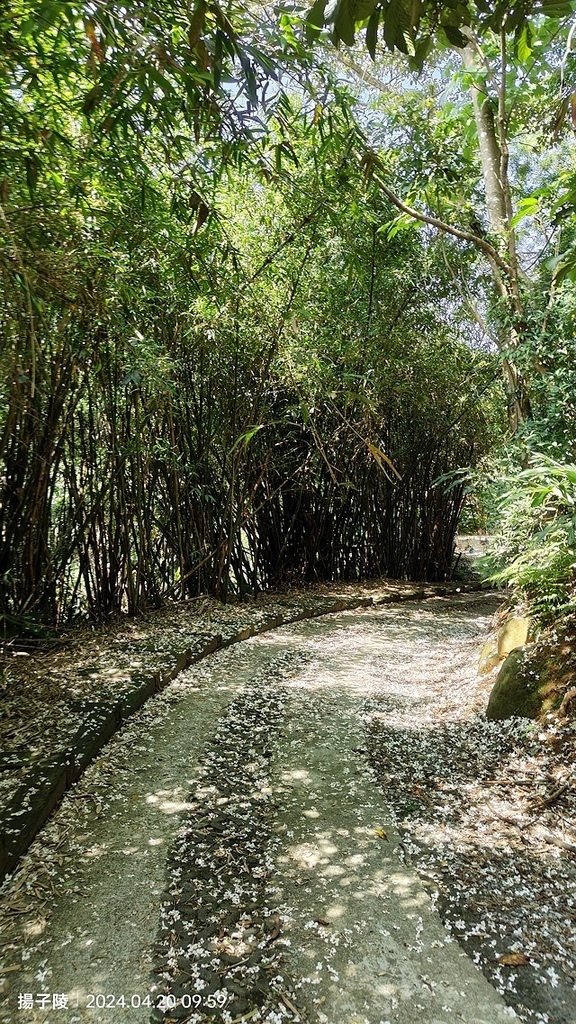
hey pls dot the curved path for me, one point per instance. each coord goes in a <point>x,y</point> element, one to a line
<point>286,896</point>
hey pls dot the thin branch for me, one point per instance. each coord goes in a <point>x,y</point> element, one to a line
<point>287,240</point>
<point>448,229</point>
<point>490,76</point>
<point>366,77</point>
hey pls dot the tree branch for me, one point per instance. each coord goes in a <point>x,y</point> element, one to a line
<point>466,236</point>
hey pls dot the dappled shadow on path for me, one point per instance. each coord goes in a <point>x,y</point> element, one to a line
<point>455,788</point>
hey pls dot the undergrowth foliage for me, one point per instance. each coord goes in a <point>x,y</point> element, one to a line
<point>536,548</point>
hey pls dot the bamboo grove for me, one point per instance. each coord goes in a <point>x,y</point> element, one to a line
<point>191,412</point>
<point>222,369</point>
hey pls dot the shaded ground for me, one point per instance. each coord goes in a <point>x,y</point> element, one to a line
<point>287,895</point>
<point>46,687</point>
<point>486,812</point>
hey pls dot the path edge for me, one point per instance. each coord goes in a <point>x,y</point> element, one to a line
<point>47,783</point>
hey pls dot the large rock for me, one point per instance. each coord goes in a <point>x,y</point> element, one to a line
<point>534,679</point>
<point>512,634</point>
<point>488,657</point>
<point>519,689</point>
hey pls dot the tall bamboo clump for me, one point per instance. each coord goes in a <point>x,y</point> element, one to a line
<point>356,497</point>
<point>154,443</point>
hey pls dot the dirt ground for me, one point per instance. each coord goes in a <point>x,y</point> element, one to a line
<point>311,826</point>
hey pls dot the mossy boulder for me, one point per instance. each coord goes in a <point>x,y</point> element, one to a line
<point>519,690</point>
<point>512,634</point>
<point>535,679</point>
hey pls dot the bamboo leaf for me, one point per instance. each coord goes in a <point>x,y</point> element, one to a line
<point>372,33</point>
<point>381,458</point>
<point>197,23</point>
<point>246,437</point>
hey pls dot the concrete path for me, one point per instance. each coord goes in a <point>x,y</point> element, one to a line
<point>359,940</point>
<point>382,954</point>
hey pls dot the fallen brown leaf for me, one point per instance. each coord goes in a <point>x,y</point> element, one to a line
<point>514,960</point>
<point>275,931</point>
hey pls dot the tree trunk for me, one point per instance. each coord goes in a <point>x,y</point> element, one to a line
<point>490,118</point>
<point>488,147</point>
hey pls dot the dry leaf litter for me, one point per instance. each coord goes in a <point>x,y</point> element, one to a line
<point>487,815</point>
